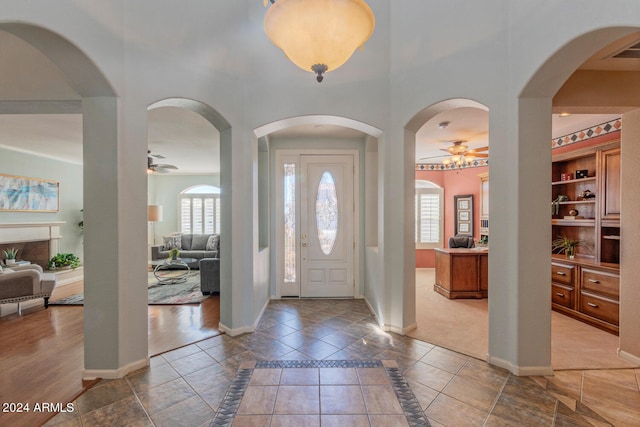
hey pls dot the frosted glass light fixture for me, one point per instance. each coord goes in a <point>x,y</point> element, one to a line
<point>318,36</point>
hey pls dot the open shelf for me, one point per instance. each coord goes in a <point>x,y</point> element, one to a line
<point>611,237</point>
<point>577,202</point>
<point>574,181</point>
<point>587,222</point>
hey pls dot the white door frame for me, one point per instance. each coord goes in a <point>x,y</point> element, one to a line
<point>282,155</point>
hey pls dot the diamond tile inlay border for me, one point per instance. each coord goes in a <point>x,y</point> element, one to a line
<point>229,407</point>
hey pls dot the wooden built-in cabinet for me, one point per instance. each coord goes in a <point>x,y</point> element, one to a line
<point>587,287</point>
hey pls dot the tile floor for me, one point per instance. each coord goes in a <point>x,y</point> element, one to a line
<point>309,372</point>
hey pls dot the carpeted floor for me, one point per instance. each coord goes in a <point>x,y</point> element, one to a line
<point>462,325</point>
<point>180,293</point>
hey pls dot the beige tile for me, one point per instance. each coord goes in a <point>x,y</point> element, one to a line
<point>295,421</point>
<point>265,377</point>
<point>248,364</point>
<point>471,392</point>
<point>452,412</point>
<point>258,400</point>
<point>163,396</point>
<point>434,423</point>
<point>484,373</point>
<point>127,409</point>
<point>388,421</point>
<point>389,363</point>
<point>618,377</point>
<point>103,395</point>
<point>191,412</point>
<point>444,359</point>
<point>334,376</point>
<point>569,382</point>
<point>297,399</point>
<point>251,421</point>
<point>428,375</point>
<point>341,399</point>
<point>425,395</point>
<point>300,376</point>
<point>373,376</point>
<point>381,399</point>
<point>344,421</point>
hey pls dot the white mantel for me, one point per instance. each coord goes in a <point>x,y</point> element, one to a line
<point>32,232</point>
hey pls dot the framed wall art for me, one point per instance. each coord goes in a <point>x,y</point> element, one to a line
<point>25,194</point>
<point>463,206</point>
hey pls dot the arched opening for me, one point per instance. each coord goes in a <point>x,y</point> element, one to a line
<point>61,107</point>
<point>564,84</point>
<point>184,177</point>
<point>296,149</point>
<point>451,149</point>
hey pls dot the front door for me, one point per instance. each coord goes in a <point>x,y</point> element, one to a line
<point>326,226</point>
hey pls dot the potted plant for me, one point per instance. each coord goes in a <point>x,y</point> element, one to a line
<point>10,256</point>
<point>62,261</point>
<point>173,254</point>
<point>566,245</point>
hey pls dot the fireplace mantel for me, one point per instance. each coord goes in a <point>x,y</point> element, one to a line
<point>20,232</point>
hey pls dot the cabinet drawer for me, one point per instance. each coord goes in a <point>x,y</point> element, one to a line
<point>562,295</point>
<point>601,282</point>
<point>562,273</point>
<point>600,308</point>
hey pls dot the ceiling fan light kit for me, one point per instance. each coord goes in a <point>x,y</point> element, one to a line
<point>158,167</point>
<point>318,36</point>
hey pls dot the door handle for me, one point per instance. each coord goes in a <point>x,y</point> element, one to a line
<point>561,273</point>
<point>594,281</point>
<point>590,304</point>
<point>304,236</point>
<point>560,294</point>
<point>304,245</point>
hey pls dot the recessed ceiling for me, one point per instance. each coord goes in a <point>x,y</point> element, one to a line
<point>318,130</point>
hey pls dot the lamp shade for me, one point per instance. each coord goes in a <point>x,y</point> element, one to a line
<point>319,36</point>
<point>154,213</point>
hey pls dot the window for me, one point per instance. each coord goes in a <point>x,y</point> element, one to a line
<point>428,215</point>
<point>200,210</point>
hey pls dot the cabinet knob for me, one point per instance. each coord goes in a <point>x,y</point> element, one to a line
<point>594,281</point>
<point>561,273</point>
<point>590,304</point>
<point>560,294</point>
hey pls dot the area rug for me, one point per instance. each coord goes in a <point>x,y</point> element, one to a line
<point>181,293</point>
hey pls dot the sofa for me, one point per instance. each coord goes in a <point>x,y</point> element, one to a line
<point>25,282</point>
<point>197,246</point>
<point>210,276</point>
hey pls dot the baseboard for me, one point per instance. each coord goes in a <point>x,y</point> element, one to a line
<point>111,374</point>
<point>244,329</point>
<point>629,357</point>
<point>66,277</point>
<point>389,328</point>
<point>521,371</point>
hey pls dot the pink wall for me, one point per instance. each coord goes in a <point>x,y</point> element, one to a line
<point>455,182</point>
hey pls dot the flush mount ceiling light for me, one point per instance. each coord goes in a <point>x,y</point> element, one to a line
<point>318,36</point>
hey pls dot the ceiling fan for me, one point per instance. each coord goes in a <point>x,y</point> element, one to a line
<point>158,167</point>
<point>459,153</point>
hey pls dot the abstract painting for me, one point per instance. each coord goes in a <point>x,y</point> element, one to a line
<point>24,194</point>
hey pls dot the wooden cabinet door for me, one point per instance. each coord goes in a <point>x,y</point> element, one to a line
<point>610,187</point>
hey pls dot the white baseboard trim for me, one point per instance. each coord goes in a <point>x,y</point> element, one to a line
<point>629,357</point>
<point>111,374</point>
<point>521,371</point>
<point>399,330</point>
<point>389,328</point>
<point>244,329</point>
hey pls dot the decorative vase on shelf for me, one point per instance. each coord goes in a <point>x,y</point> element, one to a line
<point>570,252</point>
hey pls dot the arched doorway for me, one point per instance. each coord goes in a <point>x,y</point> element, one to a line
<point>557,78</point>
<point>184,144</point>
<point>70,88</point>
<point>314,136</point>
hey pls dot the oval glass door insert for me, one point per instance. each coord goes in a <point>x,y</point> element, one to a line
<point>327,212</point>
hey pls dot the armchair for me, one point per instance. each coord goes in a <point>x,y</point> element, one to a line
<point>461,242</point>
<point>26,282</point>
<point>210,276</point>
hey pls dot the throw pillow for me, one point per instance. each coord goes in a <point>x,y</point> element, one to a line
<point>213,243</point>
<point>172,241</point>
